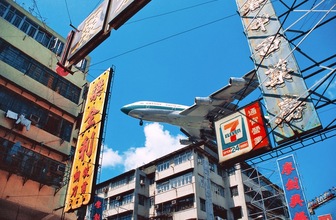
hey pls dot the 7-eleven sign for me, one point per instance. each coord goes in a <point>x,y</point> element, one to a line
<point>241,133</point>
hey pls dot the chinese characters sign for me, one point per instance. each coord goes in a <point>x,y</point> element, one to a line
<point>241,133</point>
<point>90,33</point>
<point>85,164</point>
<point>297,206</point>
<point>290,109</point>
<point>95,29</point>
<point>97,208</point>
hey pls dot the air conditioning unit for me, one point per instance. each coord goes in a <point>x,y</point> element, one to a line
<point>142,182</point>
<point>173,202</point>
<point>60,168</point>
<point>34,118</point>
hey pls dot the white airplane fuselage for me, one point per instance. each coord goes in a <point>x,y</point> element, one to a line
<point>163,112</point>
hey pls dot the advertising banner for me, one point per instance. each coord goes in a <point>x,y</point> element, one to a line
<point>90,33</point>
<point>289,107</point>
<point>86,159</point>
<point>241,133</point>
<point>291,183</point>
<point>95,29</point>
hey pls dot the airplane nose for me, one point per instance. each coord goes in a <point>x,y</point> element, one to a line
<point>125,109</point>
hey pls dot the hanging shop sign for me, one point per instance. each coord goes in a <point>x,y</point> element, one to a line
<point>289,107</point>
<point>291,182</point>
<point>86,159</point>
<point>242,133</point>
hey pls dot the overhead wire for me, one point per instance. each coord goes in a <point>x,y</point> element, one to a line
<point>171,12</point>
<point>157,41</point>
<point>163,39</point>
<point>67,9</point>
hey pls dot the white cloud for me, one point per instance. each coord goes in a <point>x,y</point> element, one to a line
<point>111,158</point>
<point>159,142</point>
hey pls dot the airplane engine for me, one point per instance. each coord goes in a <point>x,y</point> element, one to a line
<point>237,81</point>
<point>203,100</point>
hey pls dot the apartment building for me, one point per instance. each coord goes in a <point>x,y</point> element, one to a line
<point>39,116</point>
<point>190,184</point>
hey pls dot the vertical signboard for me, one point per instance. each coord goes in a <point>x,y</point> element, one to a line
<point>284,90</point>
<point>97,208</point>
<point>242,132</point>
<point>296,203</point>
<point>86,159</point>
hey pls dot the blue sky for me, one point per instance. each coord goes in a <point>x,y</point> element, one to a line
<point>172,51</point>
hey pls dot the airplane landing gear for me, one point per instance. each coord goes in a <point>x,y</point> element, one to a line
<point>141,122</point>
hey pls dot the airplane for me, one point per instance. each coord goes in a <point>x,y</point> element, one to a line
<point>196,121</point>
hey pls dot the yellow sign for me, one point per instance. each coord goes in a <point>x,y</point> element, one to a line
<point>85,164</point>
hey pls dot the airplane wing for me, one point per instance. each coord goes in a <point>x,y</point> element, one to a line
<point>219,104</point>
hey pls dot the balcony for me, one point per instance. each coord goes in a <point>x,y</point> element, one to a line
<point>30,165</point>
<point>35,133</point>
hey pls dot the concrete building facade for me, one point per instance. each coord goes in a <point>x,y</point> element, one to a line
<point>39,116</point>
<point>190,184</point>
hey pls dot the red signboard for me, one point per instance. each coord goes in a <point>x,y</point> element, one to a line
<point>325,217</point>
<point>241,133</point>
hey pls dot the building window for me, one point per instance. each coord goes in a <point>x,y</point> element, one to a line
<point>234,191</point>
<point>174,183</point>
<point>212,166</point>
<point>127,199</point>
<point>220,171</point>
<point>38,72</point>
<point>122,181</point>
<point>113,203</point>
<point>163,166</point>
<point>3,8</point>
<point>184,203</point>
<point>183,157</point>
<point>151,181</point>
<point>217,189</point>
<point>220,212</point>
<point>29,27</point>
<point>237,212</point>
<point>105,204</point>
<point>27,163</point>
<point>202,203</point>
<point>152,201</point>
<point>39,117</point>
<point>231,171</point>
<point>142,199</point>
<point>201,181</point>
<point>142,180</point>
<point>200,159</point>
